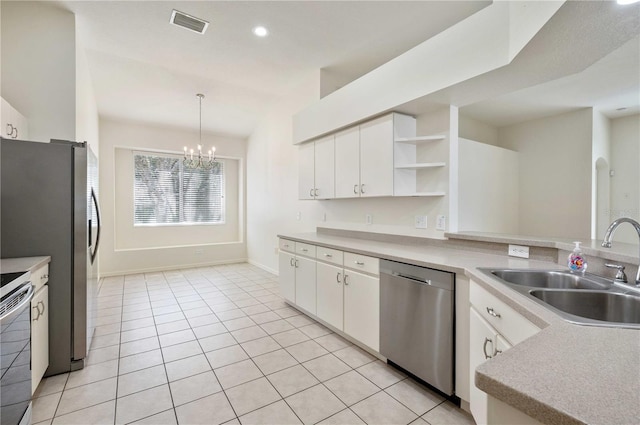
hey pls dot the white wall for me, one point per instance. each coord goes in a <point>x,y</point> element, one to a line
<point>600,179</point>
<point>87,123</point>
<point>479,131</point>
<point>488,191</point>
<point>555,173</point>
<point>625,184</point>
<point>39,67</point>
<point>272,187</point>
<point>125,249</point>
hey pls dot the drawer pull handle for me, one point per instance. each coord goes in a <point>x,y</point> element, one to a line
<point>338,278</point>
<point>355,189</point>
<point>359,263</point>
<point>328,255</point>
<point>362,188</point>
<point>492,312</point>
<point>296,264</point>
<point>291,262</point>
<point>286,245</point>
<point>484,348</point>
<point>311,193</point>
<point>304,250</point>
<point>346,282</point>
<point>35,319</point>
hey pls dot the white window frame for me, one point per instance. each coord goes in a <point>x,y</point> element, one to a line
<point>223,206</point>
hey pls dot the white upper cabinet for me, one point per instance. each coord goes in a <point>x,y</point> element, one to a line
<point>376,157</point>
<point>14,124</point>
<point>324,168</point>
<point>306,180</point>
<point>316,165</point>
<point>347,152</point>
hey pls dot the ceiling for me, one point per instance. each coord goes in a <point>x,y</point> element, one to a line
<point>144,69</point>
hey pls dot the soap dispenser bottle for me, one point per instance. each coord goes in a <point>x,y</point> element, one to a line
<point>576,261</point>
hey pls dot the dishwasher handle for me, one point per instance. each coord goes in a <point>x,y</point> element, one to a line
<point>414,278</point>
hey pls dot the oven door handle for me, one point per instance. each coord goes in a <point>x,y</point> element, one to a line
<point>16,309</point>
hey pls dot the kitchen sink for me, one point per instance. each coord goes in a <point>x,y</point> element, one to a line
<point>581,298</point>
<point>595,305</point>
<point>557,279</point>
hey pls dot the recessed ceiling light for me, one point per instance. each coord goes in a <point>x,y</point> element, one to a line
<point>627,1</point>
<point>261,31</point>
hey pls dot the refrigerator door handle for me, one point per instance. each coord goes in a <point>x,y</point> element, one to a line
<point>94,253</point>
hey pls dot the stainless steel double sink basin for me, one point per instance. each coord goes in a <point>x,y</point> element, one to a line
<point>584,299</point>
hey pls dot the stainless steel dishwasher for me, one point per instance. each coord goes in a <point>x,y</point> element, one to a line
<point>417,321</point>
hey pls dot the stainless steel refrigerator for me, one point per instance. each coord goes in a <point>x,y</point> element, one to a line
<point>49,207</point>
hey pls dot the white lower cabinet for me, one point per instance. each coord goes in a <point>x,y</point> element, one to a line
<point>39,336</point>
<point>494,327</point>
<point>306,284</point>
<point>298,274</point>
<point>330,296</point>
<point>287,278</point>
<point>362,308</point>
<point>328,288</point>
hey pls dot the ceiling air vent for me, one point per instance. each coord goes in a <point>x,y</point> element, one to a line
<point>189,22</point>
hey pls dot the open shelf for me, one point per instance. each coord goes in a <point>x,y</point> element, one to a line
<point>424,194</point>
<point>419,139</point>
<point>420,166</point>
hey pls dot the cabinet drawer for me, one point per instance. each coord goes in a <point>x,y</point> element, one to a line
<point>40,277</point>
<point>362,263</point>
<point>508,322</point>
<point>287,245</point>
<point>306,249</point>
<point>329,255</point>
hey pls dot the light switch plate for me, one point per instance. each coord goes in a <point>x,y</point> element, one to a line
<point>441,222</point>
<point>368,219</point>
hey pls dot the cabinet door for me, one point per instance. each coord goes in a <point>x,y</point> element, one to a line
<point>306,284</point>
<point>325,168</point>
<point>287,276</point>
<point>306,183</point>
<point>482,346</point>
<point>7,124</point>
<point>329,294</point>
<point>347,148</point>
<point>39,336</point>
<point>376,157</point>
<point>362,308</point>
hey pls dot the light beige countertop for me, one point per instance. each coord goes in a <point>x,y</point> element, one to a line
<point>619,251</point>
<point>22,264</point>
<point>565,374</point>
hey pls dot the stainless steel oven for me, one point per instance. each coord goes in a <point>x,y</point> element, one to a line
<point>15,349</point>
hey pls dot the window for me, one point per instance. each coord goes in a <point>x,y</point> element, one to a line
<point>165,192</point>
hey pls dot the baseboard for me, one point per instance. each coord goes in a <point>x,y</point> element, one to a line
<point>176,267</point>
<point>263,267</point>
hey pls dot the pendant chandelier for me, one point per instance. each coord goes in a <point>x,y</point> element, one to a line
<point>202,162</point>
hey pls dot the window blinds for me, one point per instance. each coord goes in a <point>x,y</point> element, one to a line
<point>166,192</point>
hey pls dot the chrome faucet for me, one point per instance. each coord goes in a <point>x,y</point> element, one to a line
<point>606,243</point>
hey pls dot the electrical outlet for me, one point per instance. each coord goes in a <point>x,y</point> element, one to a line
<point>421,222</point>
<point>519,251</point>
<point>441,222</point>
<point>368,219</point>
<point>298,216</point>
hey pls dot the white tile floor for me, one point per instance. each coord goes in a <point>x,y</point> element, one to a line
<point>218,345</point>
